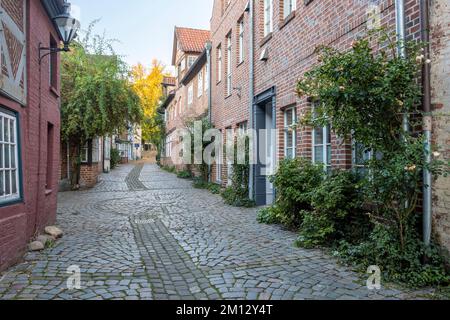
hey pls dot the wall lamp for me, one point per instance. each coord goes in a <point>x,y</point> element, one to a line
<point>68,28</point>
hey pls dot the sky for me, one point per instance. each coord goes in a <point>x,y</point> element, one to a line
<point>143,27</point>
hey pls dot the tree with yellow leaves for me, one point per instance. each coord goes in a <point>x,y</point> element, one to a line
<point>147,84</point>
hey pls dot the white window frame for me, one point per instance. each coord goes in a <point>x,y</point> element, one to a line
<point>241,40</point>
<point>84,153</point>
<point>191,60</point>
<point>229,62</point>
<point>289,6</point>
<point>9,125</point>
<point>190,94</point>
<point>219,63</point>
<point>287,131</point>
<point>326,161</point>
<point>200,84</point>
<point>268,17</point>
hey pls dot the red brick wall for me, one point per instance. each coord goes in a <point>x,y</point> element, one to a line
<point>291,53</point>
<point>89,174</point>
<point>20,222</point>
<point>229,111</point>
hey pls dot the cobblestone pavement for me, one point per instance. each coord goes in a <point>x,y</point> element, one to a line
<point>141,233</point>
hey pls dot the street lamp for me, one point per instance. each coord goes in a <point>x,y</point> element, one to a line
<point>68,27</point>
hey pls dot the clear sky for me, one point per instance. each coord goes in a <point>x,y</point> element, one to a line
<point>143,27</point>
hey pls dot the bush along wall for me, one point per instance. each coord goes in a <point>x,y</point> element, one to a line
<point>368,219</point>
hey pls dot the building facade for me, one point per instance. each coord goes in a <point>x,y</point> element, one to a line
<point>189,99</point>
<point>29,123</point>
<point>257,90</point>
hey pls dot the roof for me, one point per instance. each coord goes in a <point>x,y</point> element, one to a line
<point>190,40</point>
<point>195,68</point>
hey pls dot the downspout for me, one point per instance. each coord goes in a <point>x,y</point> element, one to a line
<point>208,79</point>
<point>251,95</point>
<point>426,82</point>
<point>401,38</point>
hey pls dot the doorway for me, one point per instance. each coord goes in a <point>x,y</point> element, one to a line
<point>265,125</point>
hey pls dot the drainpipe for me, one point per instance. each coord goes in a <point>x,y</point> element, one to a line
<point>68,160</point>
<point>251,93</point>
<point>401,50</point>
<point>208,62</point>
<point>426,82</point>
<point>209,80</point>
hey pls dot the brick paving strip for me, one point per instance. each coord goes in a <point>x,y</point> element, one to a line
<point>144,234</point>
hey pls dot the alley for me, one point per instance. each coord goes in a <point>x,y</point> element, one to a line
<point>141,233</point>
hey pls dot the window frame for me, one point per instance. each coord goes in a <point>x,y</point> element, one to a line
<point>200,84</point>
<point>229,86</point>
<point>12,198</point>
<point>268,17</point>
<point>190,94</point>
<point>219,63</point>
<point>292,4</point>
<point>326,132</point>
<point>241,27</point>
<point>287,131</point>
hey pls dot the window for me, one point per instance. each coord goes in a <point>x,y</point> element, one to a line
<point>53,65</point>
<point>289,6</point>
<point>241,40</point>
<point>219,63</point>
<point>322,151</point>
<point>95,150</point>
<point>9,157</point>
<point>361,155</point>
<point>268,16</point>
<point>207,77</point>
<point>191,61</point>
<point>242,128</point>
<point>290,134</point>
<point>200,84</point>
<point>182,65</point>
<point>85,153</point>
<point>190,94</point>
<point>229,53</point>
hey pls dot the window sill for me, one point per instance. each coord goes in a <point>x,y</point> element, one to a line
<point>288,19</point>
<point>54,91</point>
<point>240,63</point>
<point>228,96</point>
<point>218,82</point>
<point>48,192</point>
<point>266,39</point>
<point>11,202</point>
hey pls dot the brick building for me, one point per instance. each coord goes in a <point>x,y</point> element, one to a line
<point>189,99</point>
<point>257,90</point>
<point>29,123</point>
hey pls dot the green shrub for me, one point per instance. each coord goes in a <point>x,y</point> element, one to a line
<point>184,174</point>
<point>336,212</point>
<point>237,197</point>
<point>295,183</point>
<point>214,188</point>
<point>398,264</point>
<point>200,183</point>
<point>269,215</point>
<point>115,158</point>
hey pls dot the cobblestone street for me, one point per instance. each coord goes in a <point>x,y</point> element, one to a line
<point>144,234</point>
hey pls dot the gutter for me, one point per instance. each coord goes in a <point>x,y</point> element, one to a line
<point>428,120</point>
